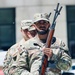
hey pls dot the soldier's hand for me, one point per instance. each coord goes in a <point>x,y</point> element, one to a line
<point>48,52</point>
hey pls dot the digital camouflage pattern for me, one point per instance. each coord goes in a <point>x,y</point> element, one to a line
<point>28,59</point>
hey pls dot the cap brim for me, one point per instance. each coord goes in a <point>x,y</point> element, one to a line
<point>32,28</point>
<point>41,19</point>
<point>25,27</point>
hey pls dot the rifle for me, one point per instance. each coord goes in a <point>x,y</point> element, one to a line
<point>49,39</point>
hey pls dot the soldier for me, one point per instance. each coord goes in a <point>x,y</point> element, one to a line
<point>28,31</point>
<point>33,50</point>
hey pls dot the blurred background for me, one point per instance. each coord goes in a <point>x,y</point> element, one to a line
<point>13,11</point>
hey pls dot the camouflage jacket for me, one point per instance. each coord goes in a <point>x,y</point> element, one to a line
<point>11,56</point>
<point>30,57</point>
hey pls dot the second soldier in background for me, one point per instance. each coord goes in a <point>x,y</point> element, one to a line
<point>28,31</point>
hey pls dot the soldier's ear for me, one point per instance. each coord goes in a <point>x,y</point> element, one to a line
<point>49,24</point>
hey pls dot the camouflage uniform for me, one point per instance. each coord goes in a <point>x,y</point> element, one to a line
<point>30,58</point>
<point>11,56</point>
<point>13,52</point>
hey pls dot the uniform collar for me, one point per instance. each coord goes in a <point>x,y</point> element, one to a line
<point>39,42</point>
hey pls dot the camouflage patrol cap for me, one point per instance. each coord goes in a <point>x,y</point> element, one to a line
<point>27,24</point>
<point>41,16</point>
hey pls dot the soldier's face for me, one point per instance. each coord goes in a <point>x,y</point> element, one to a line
<point>28,34</point>
<point>24,33</point>
<point>42,25</point>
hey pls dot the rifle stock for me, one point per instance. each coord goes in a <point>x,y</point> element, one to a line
<point>49,39</point>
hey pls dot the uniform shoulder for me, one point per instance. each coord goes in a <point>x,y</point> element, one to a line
<point>30,43</point>
<point>12,49</point>
<point>14,46</point>
<point>59,42</point>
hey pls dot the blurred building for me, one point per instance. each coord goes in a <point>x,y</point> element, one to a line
<point>13,11</point>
